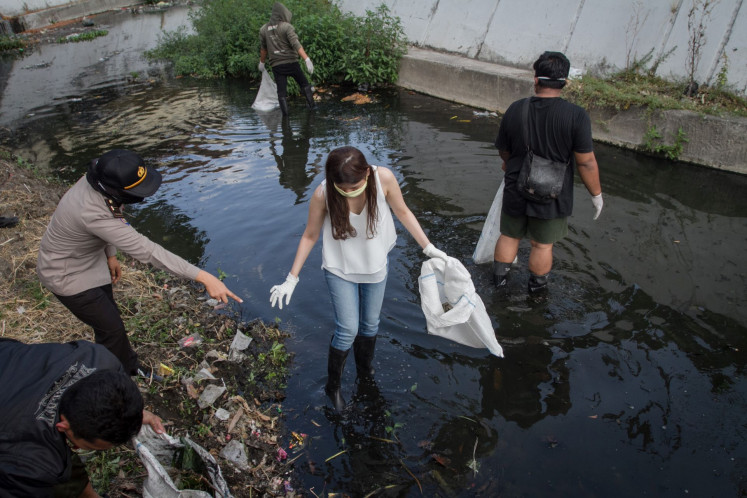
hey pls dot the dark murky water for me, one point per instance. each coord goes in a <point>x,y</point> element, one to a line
<point>629,380</point>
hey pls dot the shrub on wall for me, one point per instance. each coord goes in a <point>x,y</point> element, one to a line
<point>343,47</point>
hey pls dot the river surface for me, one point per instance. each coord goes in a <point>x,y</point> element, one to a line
<point>628,379</point>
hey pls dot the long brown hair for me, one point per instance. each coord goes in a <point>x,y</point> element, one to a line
<point>348,165</point>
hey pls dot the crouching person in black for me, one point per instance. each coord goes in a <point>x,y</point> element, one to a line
<point>56,398</point>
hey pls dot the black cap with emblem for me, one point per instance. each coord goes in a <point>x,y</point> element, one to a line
<point>123,175</point>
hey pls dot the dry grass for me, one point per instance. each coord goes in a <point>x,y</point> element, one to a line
<point>158,310</point>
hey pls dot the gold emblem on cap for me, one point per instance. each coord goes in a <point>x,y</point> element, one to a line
<point>141,174</point>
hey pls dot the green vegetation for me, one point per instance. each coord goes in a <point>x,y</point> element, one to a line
<point>7,43</point>
<point>87,36</point>
<point>653,142</point>
<point>343,47</point>
<point>631,88</point>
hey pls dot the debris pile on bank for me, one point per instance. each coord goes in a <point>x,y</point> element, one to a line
<point>223,379</point>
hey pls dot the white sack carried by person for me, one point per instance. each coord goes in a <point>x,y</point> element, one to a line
<point>491,230</point>
<point>267,96</point>
<point>452,308</point>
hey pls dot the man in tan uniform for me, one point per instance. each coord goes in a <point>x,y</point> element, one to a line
<point>77,256</point>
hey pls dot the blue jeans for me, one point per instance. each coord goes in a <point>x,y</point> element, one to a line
<point>357,309</point>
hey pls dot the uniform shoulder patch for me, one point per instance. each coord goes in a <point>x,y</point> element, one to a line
<point>114,208</point>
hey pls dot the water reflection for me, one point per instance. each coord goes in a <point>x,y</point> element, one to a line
<point>624,381</point>
<point>289,145</point>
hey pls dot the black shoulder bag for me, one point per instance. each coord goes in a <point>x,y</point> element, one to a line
<point>540,179</point>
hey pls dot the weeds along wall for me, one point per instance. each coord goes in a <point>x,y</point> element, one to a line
<point>705,39</point>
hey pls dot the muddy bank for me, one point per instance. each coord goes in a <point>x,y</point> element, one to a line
<point>177,331</point>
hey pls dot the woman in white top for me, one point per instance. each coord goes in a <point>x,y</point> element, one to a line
<point>351,209</point>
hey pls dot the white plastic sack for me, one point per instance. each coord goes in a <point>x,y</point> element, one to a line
<point>157,450</point>
<point>466,322</point>
<point>267,96</point>
<point>485,247</point>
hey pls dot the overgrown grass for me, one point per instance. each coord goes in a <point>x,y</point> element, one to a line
<point>343,47</point>
<point>630,88</point>
<point>11,43</point>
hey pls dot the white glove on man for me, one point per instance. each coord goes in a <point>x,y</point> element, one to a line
<point>261,67</point>
<point>309,65</point>
<point>598,203</point>
<point>431,251</point>
<point>284,290</point>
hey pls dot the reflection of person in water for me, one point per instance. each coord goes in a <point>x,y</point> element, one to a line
<point>456,449</point>
<point>371,456</point>
<point>295,156</point>
<point>526,386</point>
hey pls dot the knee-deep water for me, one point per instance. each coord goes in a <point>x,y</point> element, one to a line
<point>627,379</point>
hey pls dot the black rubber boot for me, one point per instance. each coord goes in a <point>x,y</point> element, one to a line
<point>500,273</point>
<point>283,105</point>
<point>335,367</point>
<point>8,222</point>
<point>309,97</point>
<point>537,283</point>
<point>363,350</point>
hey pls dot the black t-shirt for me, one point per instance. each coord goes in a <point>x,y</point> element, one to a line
<point>557,129</point>
<point>34,455</point>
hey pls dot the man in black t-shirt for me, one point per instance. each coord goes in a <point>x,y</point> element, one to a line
<point>559,131</point>
<point>59,397</point>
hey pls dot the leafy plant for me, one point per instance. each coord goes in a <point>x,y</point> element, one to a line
<point>87,36</point>
<point>343,47</point>
<point>653,142</point>
<point>8,43</point>
<point>722,78</point>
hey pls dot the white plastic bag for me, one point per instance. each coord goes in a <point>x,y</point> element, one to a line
<point>267,96</point>
<point>157,450</point>
<point>464,318</point>
<point>490,231</point>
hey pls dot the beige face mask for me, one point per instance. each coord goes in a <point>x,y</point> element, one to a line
<point>354,193</point>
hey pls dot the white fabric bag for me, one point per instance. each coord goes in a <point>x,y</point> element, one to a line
<point>466,322</point>
<point>490,231</point>
<point>267,96</point>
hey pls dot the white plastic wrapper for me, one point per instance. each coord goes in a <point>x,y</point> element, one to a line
<point>157,450</point>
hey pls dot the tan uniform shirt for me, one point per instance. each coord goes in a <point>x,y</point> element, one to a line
<point>82,233</point>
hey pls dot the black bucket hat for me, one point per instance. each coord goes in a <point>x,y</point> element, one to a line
<point>127,172</point>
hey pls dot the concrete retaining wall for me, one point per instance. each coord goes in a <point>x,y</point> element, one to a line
<point>34,14</point>
<point>712,141</point>
<point>596,35</point>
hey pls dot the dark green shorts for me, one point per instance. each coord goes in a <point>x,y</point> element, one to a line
<point>537,229</point>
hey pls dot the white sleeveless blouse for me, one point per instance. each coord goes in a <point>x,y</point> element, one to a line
<point>360,259</point>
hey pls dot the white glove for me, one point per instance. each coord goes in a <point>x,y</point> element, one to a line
<point>309,65</point>
<point>284,290</point>
<point>598,203</point>
<point>261,67</point>
<point>431,251</point>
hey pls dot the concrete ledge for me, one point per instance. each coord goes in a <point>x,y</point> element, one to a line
<point>463,80</point>
<point>67,12</point>
<point>713,141</point>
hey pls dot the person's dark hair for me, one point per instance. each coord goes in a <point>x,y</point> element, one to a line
<point>349,165</point>
<point>106,405</point>
<point>552,69</point>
